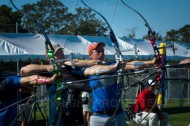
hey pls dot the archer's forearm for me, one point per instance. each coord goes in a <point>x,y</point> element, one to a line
<point>34,68</point>
<point>37,80</point>
<point>100,69</point>
<point>139,64</point>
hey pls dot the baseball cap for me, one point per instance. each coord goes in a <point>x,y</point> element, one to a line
<point>56,47</point>
<point>150,83</point>
<point>94,45</point>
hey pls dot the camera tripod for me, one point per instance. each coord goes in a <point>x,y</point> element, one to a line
<point>25,113</point>
<point>33,111</point>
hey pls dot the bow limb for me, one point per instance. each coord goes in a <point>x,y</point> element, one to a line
<point>40,26</point>
<point>151,35</point>
<point>112,35</point>
<point>118,55</point>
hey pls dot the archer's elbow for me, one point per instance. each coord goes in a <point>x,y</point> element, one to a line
<point>24,70</point>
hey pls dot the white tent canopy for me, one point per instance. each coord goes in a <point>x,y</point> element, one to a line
<point>23,46</point>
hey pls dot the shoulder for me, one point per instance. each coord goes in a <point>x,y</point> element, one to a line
<point>13,80</point>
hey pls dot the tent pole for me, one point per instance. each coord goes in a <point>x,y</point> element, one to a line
<point>18,70</point>
<point>188,86</point>
<point>18,96</point>
<point>16,27</point>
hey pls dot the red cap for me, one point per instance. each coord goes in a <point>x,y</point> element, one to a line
<point>94,45</point>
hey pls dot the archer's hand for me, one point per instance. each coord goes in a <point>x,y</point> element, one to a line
<point>154,61</point>
<point>55,77</point>
<point>157,60</point>
<point>120,65</point>
<point>49,68</point>
<point>117,65</point>
<point>52,79</point>
<point>185,61</point>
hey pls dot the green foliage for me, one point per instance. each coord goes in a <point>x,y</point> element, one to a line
<point>132,32</point>
<point>55,18</point>
<point>51,13</point>
<point>157,37</point>
<point>8,20</point>
<point>179,116</point>
<point>181,35</point>
<point>84,22</point>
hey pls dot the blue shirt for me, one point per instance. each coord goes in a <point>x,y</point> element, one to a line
<point>8,90</point>
<point>9,87</point>
<point>13,81</point>
<point>105,93</point>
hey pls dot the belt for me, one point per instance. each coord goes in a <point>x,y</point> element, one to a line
<point>108,112</point>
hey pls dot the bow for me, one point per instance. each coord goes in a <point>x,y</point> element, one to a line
<point>49,50</point>
<point>118,56</point>
<point>159,58</point>
<point>152,38</point>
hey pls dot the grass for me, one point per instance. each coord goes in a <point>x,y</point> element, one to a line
<point>178,116</point>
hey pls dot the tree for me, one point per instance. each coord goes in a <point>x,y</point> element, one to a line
<point>54,18</point>
<point>158,37</point>
<point>84,22</point>
<point>132,32</point>
<point>9,19</point>
<point>181,35</point>
<point>52,14</point>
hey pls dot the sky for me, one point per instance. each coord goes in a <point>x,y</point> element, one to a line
<point>162,15</point>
